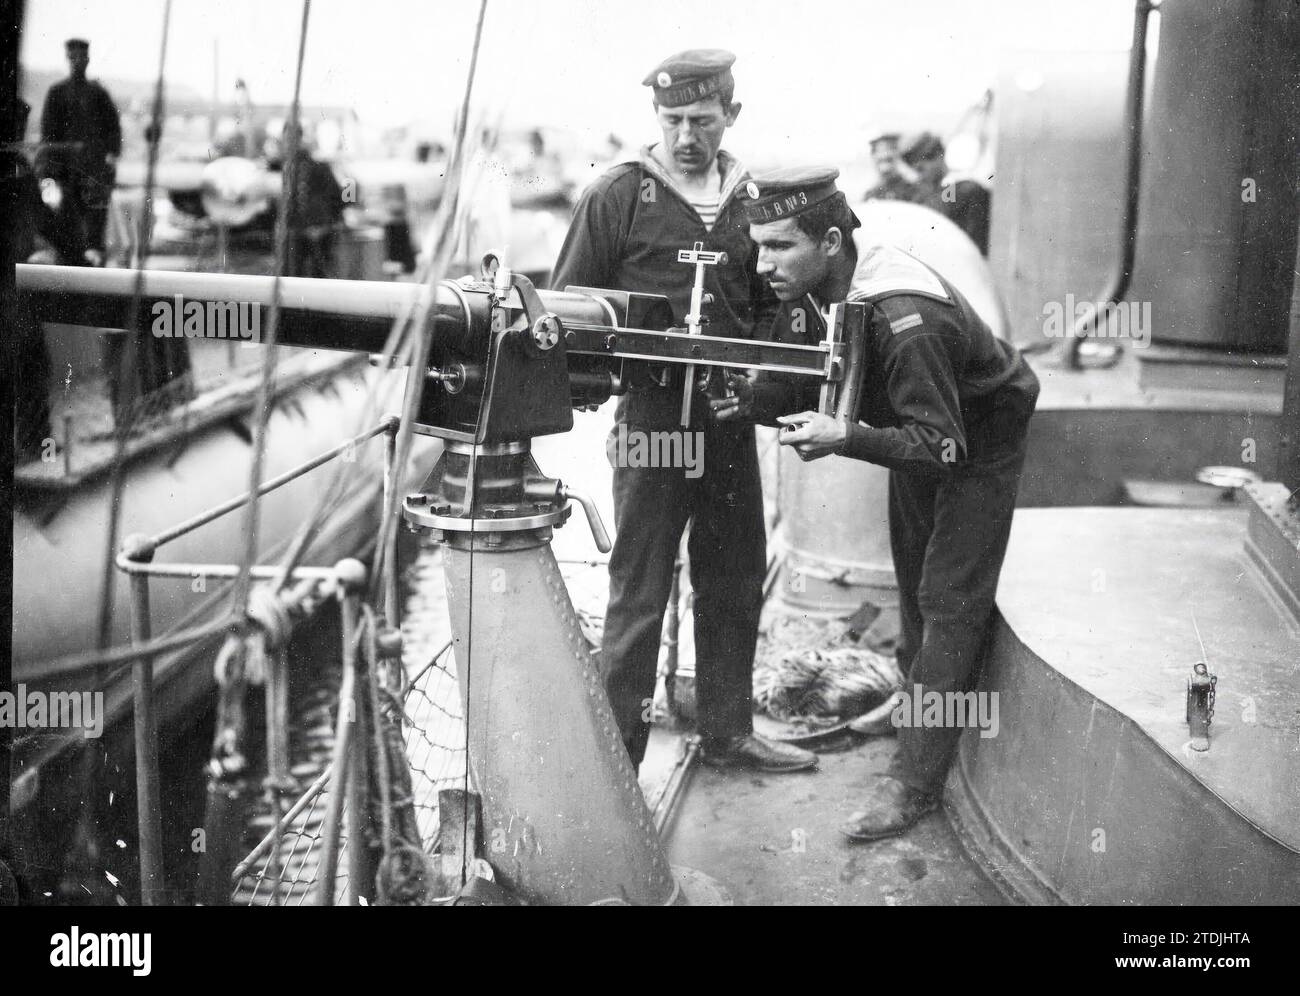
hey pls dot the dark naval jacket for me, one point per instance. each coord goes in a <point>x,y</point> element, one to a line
<point>966,203</point>
<point>79,111</point>
<point>625,235</point>
<point>891,188</point>
<point>940,392</point>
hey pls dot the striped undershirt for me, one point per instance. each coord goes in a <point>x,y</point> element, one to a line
<point>706,206</point>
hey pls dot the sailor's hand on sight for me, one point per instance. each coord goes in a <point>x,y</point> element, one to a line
<point>739,405</point>
<point>812,434</point>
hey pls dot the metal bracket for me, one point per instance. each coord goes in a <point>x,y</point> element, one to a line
<point>701,257</point>
<point>1200,705</point>
<point>846,340</point>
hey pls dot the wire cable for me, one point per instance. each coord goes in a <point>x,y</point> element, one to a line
<point>125,374</point>
<point>288,195</point>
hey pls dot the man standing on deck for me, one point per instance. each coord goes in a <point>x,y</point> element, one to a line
<point>945,406</point>
<point>967,203</point>
<point>79,110</point>
<point>893,186</point>
<point>625,235</point>
<point>316,211</point>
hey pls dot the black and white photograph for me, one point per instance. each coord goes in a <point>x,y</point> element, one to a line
<point>565,453</point>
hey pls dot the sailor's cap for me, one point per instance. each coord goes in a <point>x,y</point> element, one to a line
<point>691,75</point>
<point>784,193</point>
<point>77,43</point>
<point>885,138</point>
<point>922,145</point>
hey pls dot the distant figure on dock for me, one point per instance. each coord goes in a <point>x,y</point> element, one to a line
<point>965,202</point>
<point>399,247</point>
<point>79,110</point>
<point>316,211</point>
<point>893,186</point>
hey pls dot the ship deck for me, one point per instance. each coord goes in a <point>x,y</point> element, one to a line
<point>1091,790</point>
<point>1094,646</point>
<point>1107,596</point>
<point>771,840</point>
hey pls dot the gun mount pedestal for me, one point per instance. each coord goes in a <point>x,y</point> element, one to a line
<point>564,820</point>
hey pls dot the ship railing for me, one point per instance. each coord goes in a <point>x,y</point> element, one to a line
<point>298,860</point>
<point>136,559</point>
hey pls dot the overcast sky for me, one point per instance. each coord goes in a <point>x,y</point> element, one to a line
<point>816,76</point>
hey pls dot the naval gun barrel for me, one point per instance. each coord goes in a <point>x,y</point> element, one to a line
<point>357,315</point>
<point>354,315</point>
<point>509,361</point>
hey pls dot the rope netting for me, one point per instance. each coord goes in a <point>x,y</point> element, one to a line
<point>432,733</point>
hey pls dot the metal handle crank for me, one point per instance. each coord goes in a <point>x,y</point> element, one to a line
<point>598,532</point>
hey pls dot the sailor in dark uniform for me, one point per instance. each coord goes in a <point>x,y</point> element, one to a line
<point>316,211</point>
<point>893,186</point>
<point>967,203</point>
<point>625,234</point>
<point>945,406</point>
<point>80,110</point>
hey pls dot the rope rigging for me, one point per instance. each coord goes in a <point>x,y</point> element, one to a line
<point>288,193</point>
<point>125,373</point>
<point>402,867</point>
<point>242,659</point>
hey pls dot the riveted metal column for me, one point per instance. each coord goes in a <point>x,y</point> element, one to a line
<point>564,819</point>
